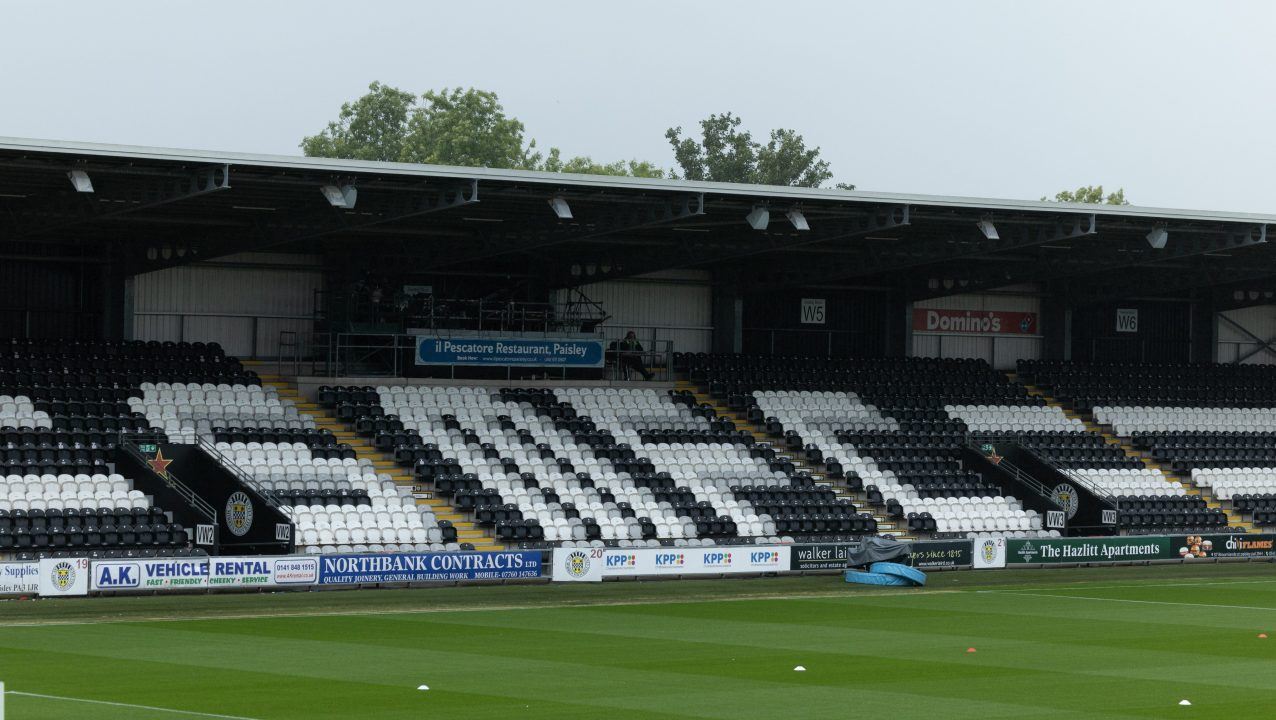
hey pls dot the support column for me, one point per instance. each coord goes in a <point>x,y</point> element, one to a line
<point>117,302</point>
<point>1056,327</point>
<point>1204,331</point>
<point>728,316</point>
<point>898,340</point>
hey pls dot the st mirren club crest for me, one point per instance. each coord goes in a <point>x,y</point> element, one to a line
<point>63,576</point>
<point>577,564</point>
<point>1066,497</point>
<point>989,551</point>
<point>239,514</point>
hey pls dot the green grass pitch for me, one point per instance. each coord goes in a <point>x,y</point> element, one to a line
<point>1085,643</point>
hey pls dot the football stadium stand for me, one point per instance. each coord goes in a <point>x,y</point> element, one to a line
<point>916,366</point>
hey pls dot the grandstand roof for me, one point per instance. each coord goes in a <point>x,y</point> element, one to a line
<point>204,204</point>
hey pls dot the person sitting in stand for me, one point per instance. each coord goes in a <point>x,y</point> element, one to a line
<point>631,356</point>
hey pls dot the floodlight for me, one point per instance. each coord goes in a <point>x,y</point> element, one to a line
<point>81,181</point>
<point>988,229</point>
<point>340,197</point>
<point>759,217</point>
<point>796,217</point>
<point>1157,237</point>
<point>561,208</point>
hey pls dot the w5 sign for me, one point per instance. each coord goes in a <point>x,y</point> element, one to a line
<point>593,564</point>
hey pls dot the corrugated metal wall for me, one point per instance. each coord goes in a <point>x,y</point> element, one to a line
<point>675,305</point>
<point>242,301</point>
<point>1234,344</point>
<point>1002,351</point>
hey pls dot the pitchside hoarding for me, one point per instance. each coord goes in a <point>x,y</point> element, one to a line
<point>262,571</point>
<point>150,574</point>
<point>923,554</point>
<point>64,577</point>
<point>1087,550</point>
<point>820,557</point>
<point>941,554</point>
<point>19,578</point>
<point>1223,546</point>
<point>594,564</point>
<point>507,352</point>
<point>428,567</point>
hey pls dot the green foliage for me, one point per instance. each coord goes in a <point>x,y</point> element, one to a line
<point>726,153</point>
<point>585,165</point>
<point>1090,194</point>
<point>452,126</point>
<point>370,128</point>
<point>468,128</point>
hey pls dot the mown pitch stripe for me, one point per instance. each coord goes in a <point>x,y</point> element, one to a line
<point>1138,602</point>
<point>127,705</point>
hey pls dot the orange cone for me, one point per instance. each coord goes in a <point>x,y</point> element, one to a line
<point>970,650</point>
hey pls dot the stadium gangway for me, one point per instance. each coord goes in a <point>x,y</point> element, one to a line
<point>212,451</point>
<point>132,446</point>
<point>1109,506</point>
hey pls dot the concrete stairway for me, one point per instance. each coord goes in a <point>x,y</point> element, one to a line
<point>885,525</point>
<point>1234,519</point>
<point>466,530</point>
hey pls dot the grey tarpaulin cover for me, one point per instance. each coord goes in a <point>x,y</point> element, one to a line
<point>876,549</point>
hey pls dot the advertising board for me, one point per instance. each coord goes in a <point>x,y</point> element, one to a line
<point>426,567</point>
<point>632,562</point>
<point>65,577</point>
<point>19,578</point>
<point>505,352</point>
<point>974,322</point>
<point>150,574</point>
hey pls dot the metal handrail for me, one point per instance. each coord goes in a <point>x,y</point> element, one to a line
<point>1101,493</point>
<point>239,473</point>
<point>189,495</point>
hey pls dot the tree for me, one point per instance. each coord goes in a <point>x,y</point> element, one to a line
<point>725,153</point>
<point>469,128</point>
<point>371,128</point>
<point>1090,194</point>
<point>586,166</point>
<point>455,126</point>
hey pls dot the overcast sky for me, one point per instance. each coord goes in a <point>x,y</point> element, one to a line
<point>1171,100</point>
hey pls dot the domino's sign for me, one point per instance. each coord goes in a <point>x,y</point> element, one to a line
<point>506,352</point>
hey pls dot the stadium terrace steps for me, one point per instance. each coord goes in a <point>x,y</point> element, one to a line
<point>466,530</point>
<point>1234,519</point>
<point>885,525</point>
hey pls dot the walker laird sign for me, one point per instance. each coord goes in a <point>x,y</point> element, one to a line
<point>974,322</point>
